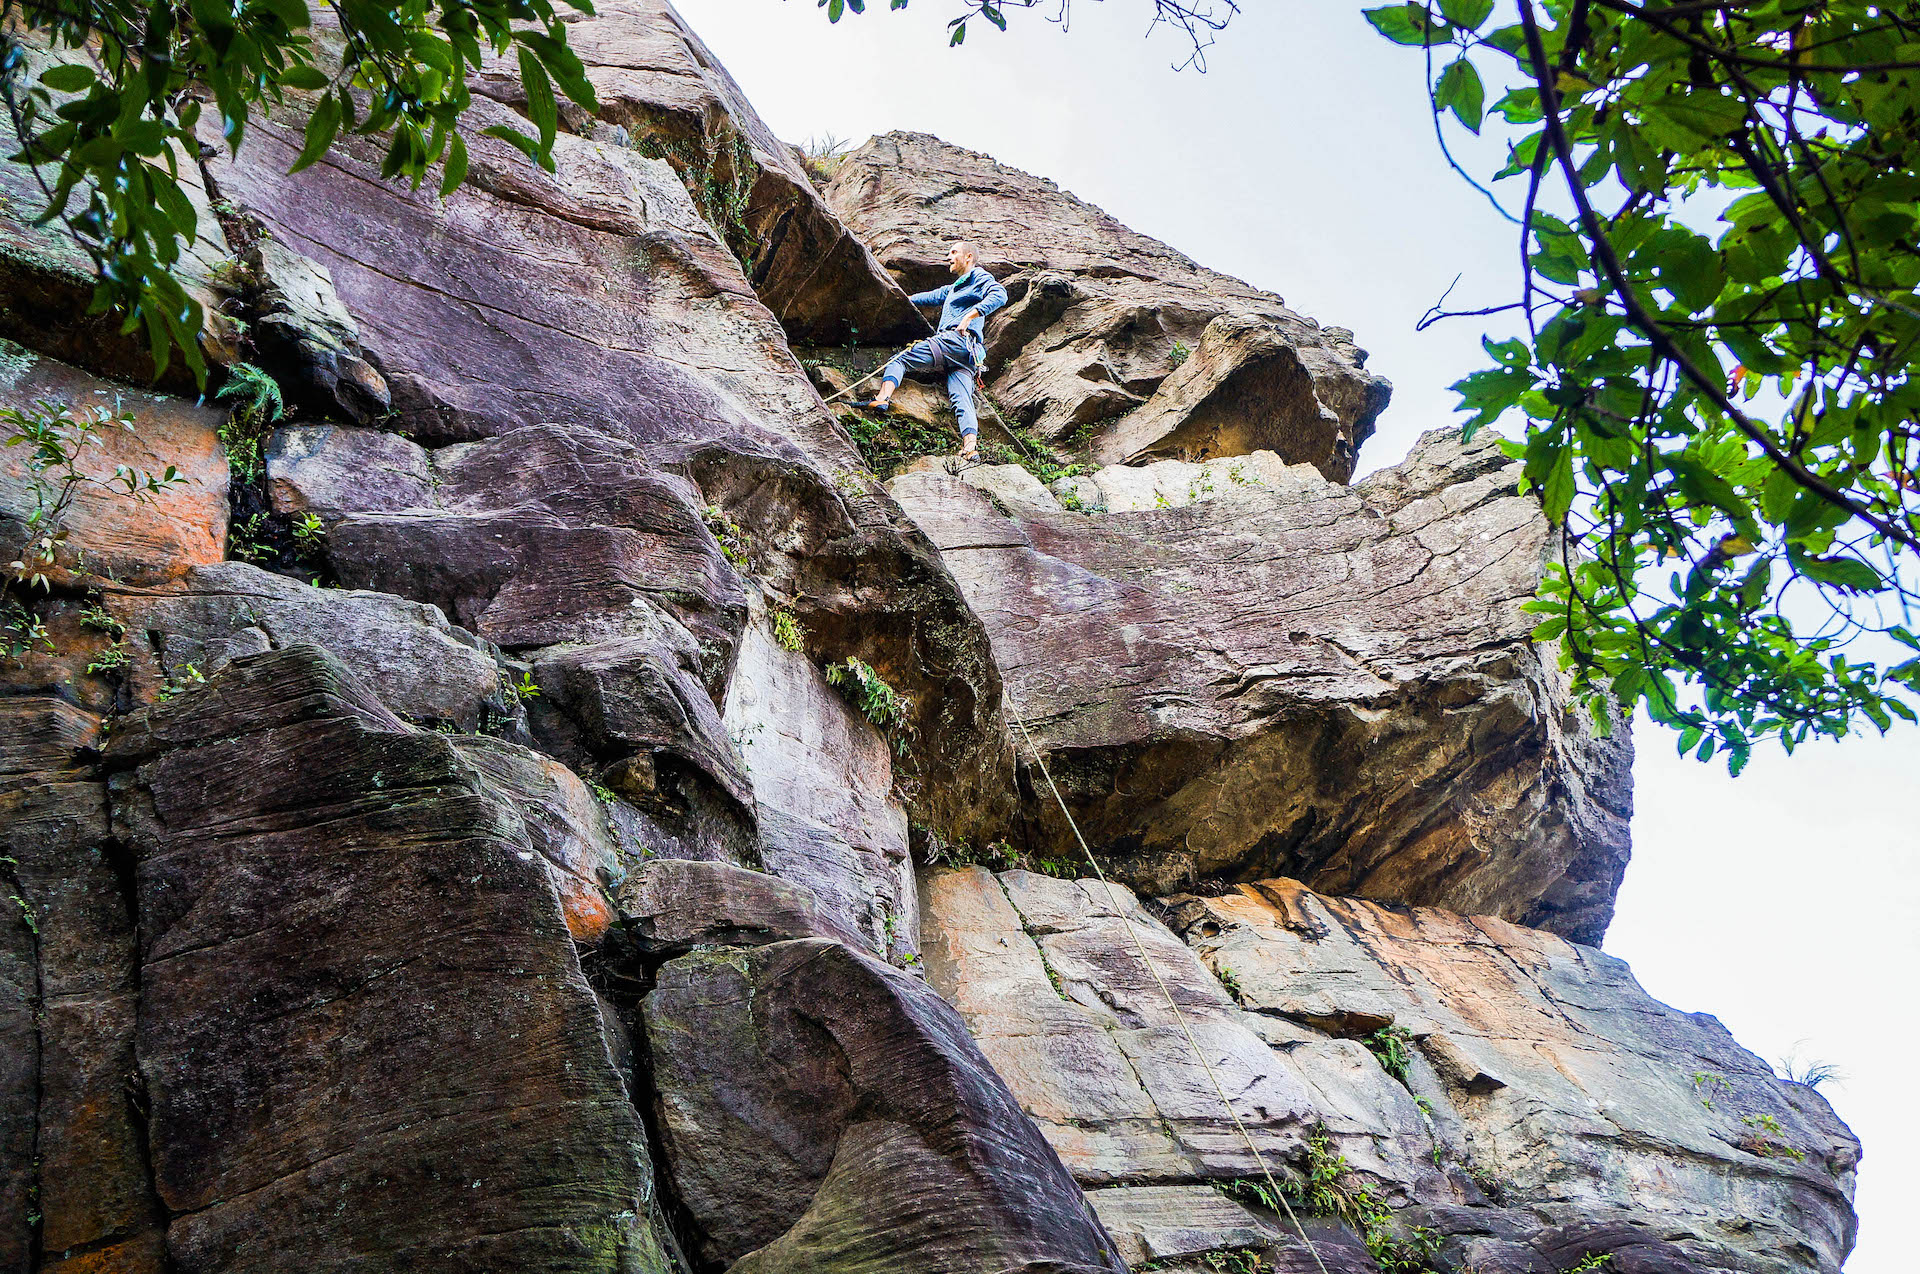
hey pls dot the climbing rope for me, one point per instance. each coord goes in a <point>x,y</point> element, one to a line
<point>1146,963</point>
<point>980,382</point>
<point>1113,896</point>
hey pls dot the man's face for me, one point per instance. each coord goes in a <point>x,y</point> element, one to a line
<point>960,259</point>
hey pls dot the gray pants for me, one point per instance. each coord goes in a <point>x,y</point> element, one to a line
<point>950,352</point>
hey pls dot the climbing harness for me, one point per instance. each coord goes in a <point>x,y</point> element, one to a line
<point>1146,963</point>
<point>980,376</point>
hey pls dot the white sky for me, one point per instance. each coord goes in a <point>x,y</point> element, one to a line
<point>1785,902</point>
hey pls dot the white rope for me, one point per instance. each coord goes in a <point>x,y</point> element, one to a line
<point>1113,896</point>
<point>1145,962</point>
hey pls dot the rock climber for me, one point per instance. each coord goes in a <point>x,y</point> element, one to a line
<point>957,348</point>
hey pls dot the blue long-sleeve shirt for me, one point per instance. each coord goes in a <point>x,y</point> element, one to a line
<point>974,290</point>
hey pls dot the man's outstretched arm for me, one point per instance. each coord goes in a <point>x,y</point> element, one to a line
<point>938,296</point>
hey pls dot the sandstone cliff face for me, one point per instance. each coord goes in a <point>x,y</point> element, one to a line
<point>1111,335</point>
<point>1291,677</point>
<point>1542,1107</point>
<point>431,839</point>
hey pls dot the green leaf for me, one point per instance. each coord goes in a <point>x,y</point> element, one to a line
<point>834,9</point>
<point>1408,24</point>
<point>1459,90</point>
<point>515,138</point>
<point>1467,15</point>
<point>959,34</point>
<point>542,107</point>
<point>1556,494</point>
<point>68,77</point>
<point>304,76</point>
<point>322,125</point>
<point>456,169</point>
<point>1849,574</point>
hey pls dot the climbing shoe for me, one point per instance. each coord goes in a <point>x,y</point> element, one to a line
<point>874,405</point>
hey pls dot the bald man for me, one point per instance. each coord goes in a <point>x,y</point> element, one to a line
<point>957,349</point>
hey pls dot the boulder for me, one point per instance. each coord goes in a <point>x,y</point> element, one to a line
<point>667,96</point>
<point>844,1120</point>
<point>1112,337</point>
<point>364,1033</point>
<point>330,470</point>
<point>563,821</point>
<point>110,534</point>
<point>306,338</point>
<point>1574,1089</point>
<point>634,708</point>
<point>1302,678</point>
<point>551,533</point>
<point>415,661</point>
<point>670,906</point>
<point>1540,1100</point>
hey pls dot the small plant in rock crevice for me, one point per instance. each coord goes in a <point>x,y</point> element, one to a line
<point>309,532</point>
<point>1231,981</point>
<point>257,405</point>
<point>1590,1262</point>
<point>1179,353</point>
<point>22,632</point>
<point>877,701</point>
<point>787,632</point>
<point>1325,1190</point>
<point>1765,1141</point>
<point>1392,1047</point>
<point>733,541</point>
<point>518,691</point>
<point>179,681</point>
<point>1706,1083</point>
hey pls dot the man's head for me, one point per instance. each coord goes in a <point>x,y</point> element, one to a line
<point>960,257</point>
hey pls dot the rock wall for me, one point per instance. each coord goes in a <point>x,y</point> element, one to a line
<point>1541,1106</point>
<point>1112,337</point>
<point>492,815</point>
<point>1286,676</point>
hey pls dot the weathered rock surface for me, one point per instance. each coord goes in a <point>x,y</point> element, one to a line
<point>135,542</point>
<point>1110,332</point>
<point>669,97</point>
<point>1549,1104</point>
<point>408,654</point>
<point>1566,1078</point>
<point>1308,679</point>
<point>671,906</point>
<point>72,1138</point>
<point>824,1112</point>
<point>823,783</point>
<point>363,1030</point>
<point>287,981</point>
<point>306,338</point>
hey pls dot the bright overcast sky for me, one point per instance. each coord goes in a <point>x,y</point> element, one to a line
<point>1786,902</point>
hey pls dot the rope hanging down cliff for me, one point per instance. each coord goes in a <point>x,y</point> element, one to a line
<point>964,305</point>
<point>1146,962</point>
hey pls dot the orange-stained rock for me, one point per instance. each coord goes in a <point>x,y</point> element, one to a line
<point>132,541</point>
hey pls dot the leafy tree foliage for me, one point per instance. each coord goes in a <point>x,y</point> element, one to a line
<point>1718,203</point>
<point>1721,332</point>
<point>106,97</point>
